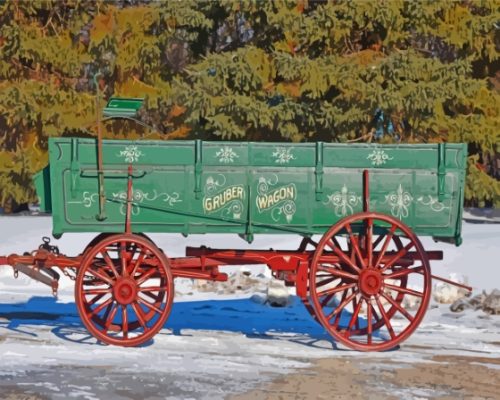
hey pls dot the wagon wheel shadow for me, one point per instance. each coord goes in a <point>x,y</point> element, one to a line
<point>60,318</point>
<point>288,324</point>
<point>291,324</point>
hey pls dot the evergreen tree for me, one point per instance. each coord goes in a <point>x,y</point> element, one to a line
<point>382,71</point>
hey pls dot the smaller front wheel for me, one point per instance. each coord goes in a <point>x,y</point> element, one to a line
<point>124,290</point>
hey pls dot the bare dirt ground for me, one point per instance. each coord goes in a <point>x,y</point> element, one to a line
<point>443,377</point>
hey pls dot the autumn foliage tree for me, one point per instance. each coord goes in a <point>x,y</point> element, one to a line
<point>366,71</point>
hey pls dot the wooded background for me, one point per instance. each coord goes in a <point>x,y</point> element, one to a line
<point>367,71</point>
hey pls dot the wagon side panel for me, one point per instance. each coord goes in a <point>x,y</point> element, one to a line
<point>421,185</point>
<point>236,187</point>
<point>162,177</point>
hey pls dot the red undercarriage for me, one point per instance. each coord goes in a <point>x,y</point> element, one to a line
<point>203,263</point>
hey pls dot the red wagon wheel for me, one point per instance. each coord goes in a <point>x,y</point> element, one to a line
<point>350,249</point>
<point>124,290</point>
<point>358,290</point>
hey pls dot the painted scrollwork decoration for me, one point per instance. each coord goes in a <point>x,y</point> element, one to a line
<point>131,154</point>
<point>88,199</point>
<point>433,203</point>
<point>226,155</point>
<point>214,184</point>
<point>399,202</point>
<point>283,155</point>
<point>139,196</point>
<point>343,201</point>
<point>378,157</point>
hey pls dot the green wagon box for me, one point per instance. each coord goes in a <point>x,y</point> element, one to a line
<point>249,188</point>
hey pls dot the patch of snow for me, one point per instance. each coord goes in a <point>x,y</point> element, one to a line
<point>277,294</point>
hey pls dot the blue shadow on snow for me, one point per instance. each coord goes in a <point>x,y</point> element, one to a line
<point>240,316</point>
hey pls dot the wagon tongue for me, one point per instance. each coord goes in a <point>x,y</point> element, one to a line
<point>453,283</point>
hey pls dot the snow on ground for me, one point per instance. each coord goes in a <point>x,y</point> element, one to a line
<point>213,345</point>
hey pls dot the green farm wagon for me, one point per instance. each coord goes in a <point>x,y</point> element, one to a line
<point>367,280</point>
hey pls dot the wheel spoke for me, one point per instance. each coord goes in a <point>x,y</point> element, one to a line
<point>377,241</point>
<point>385,318</point>
<point>336,289</point>
<point>124,322</point>
<point>374,312</point>
<point>149,305</point>
<point>354,303</point>
<point>319,275</point>
<point>369,243</point>
<point>328,258</point>
<point>326,300</point>
<point>143,278</point>
<point>354,242</point>
<point>138,262</point>
<point>404,272</point>
<point>123,259</point>
<point>132,253</point>
<point>106,313</point>
<point>151,289</point>
<point>388,239</point>
<point>109,262</point>
<point>336,321</point>
<point>101,276</point>
<point>97,291</point>
<point>333,242</point>
<point>354,318</point>
<point>140,316</point>
<point>400,254</point>
<point>338,272</point>
<point>152,296</point>
<point>100,307</point>
<point>96,299</point>
<point>404,290</point>
<point>110,318</point>
<point>369,308</point>
<point>327,281</point>
<point>339,252</point>
<point>342,305</point>
<point>398,307</point>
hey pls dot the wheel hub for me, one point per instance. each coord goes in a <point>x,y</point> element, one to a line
<point>125,291</point>
<point>370,282</point>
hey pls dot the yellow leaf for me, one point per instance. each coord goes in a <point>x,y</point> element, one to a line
<point>176,111</point>
<point>290,88</point>
<point>102,26</point>
<point>136,17</point>
<point>135,88</point>
<point>180,132</point>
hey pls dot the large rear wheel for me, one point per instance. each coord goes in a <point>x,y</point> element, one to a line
<point>370,281</point>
